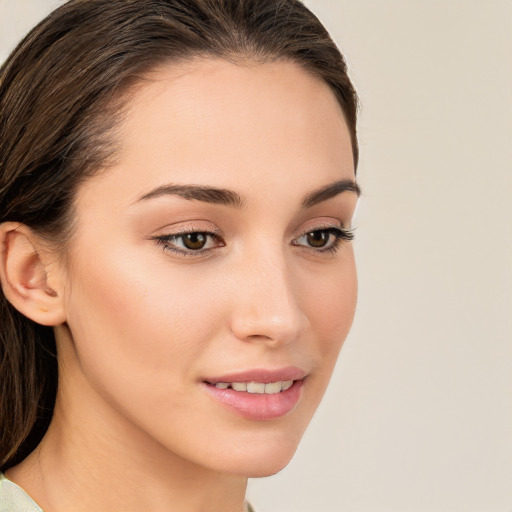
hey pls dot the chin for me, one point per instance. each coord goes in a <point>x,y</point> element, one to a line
<point>268,469</point>
<point>260,455</point>
<point>263,466</point>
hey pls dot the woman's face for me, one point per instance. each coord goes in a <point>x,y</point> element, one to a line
<point>211,282</point>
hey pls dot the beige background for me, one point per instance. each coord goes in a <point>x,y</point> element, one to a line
<point>419,413</point>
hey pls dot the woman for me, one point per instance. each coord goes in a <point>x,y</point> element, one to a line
<point>177,182</point>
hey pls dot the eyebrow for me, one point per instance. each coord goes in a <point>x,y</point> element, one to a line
<point>199,193</point>
<point>227,197</point>
<point>330,191</point>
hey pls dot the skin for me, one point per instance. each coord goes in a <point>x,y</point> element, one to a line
<point>144,326</point>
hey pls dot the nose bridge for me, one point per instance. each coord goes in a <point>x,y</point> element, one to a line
<point>267,307</point>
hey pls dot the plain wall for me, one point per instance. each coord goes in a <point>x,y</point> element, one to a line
<point>418,416</point>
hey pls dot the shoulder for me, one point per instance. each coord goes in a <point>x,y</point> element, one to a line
<point>14,498</point>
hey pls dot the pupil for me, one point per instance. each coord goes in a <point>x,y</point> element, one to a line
<point>194,240</point>
<point>318,238</point>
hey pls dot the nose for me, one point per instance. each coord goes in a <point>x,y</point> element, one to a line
<point>266,307</point>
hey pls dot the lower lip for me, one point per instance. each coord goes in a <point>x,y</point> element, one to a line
<point>258,406</point>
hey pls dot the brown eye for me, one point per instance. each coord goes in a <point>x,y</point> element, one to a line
<point>194,241</point>
<point>318,238</point>
<point>323,240</point>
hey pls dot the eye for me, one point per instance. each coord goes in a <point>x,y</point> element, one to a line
<point>327,239</point>
<point>194,241</point>
<point>190,243</point>
<point>318,238</point>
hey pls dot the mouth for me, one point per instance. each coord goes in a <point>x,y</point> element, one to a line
<point>269,388</point>
<point>259,394</point>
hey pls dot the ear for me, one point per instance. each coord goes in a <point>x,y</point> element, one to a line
<point>29,275</point>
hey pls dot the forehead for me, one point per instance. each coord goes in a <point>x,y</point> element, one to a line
<point>233,125</point>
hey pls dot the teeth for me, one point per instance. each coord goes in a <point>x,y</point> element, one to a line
<point>287,384</point>
<point>239,386</point>
<point>273,387</point>
<point>257,387</point>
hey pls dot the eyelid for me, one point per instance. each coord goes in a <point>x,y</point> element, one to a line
<point>186,230</point>
<point>189,226</point>
<point>347,233</point>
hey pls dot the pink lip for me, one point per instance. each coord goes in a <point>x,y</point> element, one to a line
<point>255,406</point>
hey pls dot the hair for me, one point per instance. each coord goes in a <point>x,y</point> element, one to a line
<point>61,97</point>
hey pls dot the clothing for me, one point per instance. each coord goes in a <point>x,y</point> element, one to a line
<point>14,499</point>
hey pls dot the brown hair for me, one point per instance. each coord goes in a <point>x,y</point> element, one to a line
<point>59,105</point>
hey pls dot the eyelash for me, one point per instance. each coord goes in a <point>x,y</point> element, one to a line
<point>340,233</point>
<point>166,242</point>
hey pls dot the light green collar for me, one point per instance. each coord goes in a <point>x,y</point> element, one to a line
<point>14,499</point>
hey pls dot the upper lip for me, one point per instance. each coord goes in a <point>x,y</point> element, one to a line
<point>261,375</point>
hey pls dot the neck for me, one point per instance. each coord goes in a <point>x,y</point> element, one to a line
<point>100,461</point>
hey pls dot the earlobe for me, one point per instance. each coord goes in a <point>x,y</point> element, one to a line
<point>25,275</point>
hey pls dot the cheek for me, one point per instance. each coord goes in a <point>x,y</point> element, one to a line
<point>331,302</point>
<point>129,318</point>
